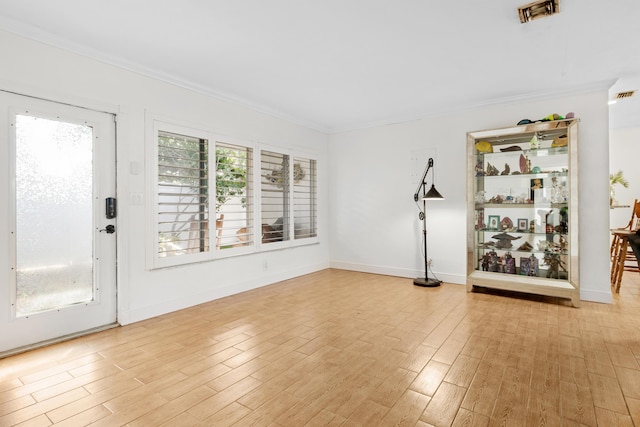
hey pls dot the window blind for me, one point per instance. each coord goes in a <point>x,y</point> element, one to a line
<point>304,198</point>
<point>274,196</point>
<point>234,196</point>
<point>183,212</point>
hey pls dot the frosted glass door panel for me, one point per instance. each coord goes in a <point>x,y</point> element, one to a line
<point>54,214</point>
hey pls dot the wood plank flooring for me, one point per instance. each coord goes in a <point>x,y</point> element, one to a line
<point>340,348</point>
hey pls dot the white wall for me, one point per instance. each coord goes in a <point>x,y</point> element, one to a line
<point>36,69</point>
<point>625,150</point>
<point>374,174</point>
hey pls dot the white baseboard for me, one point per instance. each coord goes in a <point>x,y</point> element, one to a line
<point>397,272</point>
<point>143,313</point>
<point>596,296</point>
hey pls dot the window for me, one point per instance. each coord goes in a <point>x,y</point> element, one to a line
<point>274,170</point>
<point>183,185</point>
<point>288,191</point>
<point>304,198</point>
<point>264,199</point>
<point>234,198</point>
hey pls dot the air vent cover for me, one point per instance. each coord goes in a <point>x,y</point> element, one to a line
<point>538,9</point>
<point>627,94</point>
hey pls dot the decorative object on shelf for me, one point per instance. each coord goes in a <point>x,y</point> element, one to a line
<point>523,163</point>
<point>533,142</point>
<point>512,148</point>
<point>484,147</point>
<point>479,220</point>
<point>560,141</point>
<point>543,245</point>
<point>523,224</point>
<point>536,184</point>
<point>525,247</point>
<point>494,221</point>
<point>492,170</point>
<point>616,179</point>
<point>509,263</point>
<point>504,240</point>
<point>555,264</point>
<point>479,168</point>
<point>432,194</point>
<point>506,224</point>
<point>532,226</point>
<point>533,266</point>
<point>524,266</point>
<point>506,170</point>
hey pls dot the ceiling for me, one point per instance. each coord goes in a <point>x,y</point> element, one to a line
<point>335,65</point>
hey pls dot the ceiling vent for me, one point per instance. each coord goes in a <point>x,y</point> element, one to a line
<point>538,9</point>
<point>627,94</point>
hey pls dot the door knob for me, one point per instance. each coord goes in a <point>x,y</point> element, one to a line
<point>110,229</point>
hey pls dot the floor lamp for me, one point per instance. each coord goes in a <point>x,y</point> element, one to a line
<point>432,194</point>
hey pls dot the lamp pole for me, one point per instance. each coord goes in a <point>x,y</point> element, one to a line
<point>432,194</point>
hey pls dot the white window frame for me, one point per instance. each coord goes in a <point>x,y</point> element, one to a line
<point>156,124</point>
<point>292,242</point>
<point>152,196</point>
<point>253,247</point>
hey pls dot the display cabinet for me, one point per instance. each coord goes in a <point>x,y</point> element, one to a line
<point>522,190</point>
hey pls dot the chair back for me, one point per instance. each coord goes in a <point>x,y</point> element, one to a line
<point>634,222</point>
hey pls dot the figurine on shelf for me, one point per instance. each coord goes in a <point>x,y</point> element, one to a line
<point>555,264</point>
<point>533,265</point>
<point>479,169</point>
<point>543,245</point>
<point>485,262</point>
<point>492,170</point>
<point>525,247</point>
<point>562,243</point>
<point>533,142</point>
<point>506,170</point>
<point>509,263</point>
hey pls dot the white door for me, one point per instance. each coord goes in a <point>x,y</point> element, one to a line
<point>57,238</point>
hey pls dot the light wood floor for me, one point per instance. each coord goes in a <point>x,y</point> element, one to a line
<point>344,348</point>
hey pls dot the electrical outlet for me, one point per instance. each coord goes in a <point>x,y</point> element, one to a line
<point>429,262</point>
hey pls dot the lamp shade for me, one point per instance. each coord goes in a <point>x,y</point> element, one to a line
<point>433,194</point>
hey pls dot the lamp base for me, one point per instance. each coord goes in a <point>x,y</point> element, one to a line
<point>426,282</point>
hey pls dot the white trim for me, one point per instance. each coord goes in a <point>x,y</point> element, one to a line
<point>153,260</point>
<point>456,279</point>
<point>213,294</point>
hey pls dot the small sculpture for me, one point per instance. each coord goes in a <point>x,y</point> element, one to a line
<point>504,240</point>
<point>563,243</point>
<point>525,247</point>
<point>492,170</point>
<point>555,264</point>
<point>506,170</point>
<point>533,265</point>
<point>485,262</point>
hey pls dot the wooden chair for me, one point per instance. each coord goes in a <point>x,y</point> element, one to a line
<point>633,225</point>
<point>622,257</point>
